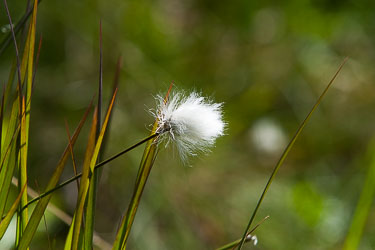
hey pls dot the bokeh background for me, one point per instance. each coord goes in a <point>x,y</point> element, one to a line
<point>267,61</point>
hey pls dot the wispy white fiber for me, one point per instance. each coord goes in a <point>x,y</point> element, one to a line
<point>191,122</point>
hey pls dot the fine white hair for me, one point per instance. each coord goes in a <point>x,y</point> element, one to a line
<point>192,122</point>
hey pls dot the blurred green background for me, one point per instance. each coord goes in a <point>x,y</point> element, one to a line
<point>267,61</point>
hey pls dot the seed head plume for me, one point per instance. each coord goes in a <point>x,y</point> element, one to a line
<point>191,122</point>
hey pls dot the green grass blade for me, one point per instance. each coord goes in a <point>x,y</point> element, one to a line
<point>363,206</point>
<point>91,197</point>
<point>2,118</point>
<point>86,180</point>
<point>145,167</point>
<point>42,204</point>
<point>90,212</point>
<point>27,71</point>
<point>23,168</point>
<point>286,152</point>
<point>69,237</point>
<point>7,173</point>
<point>86,166</point>
<point>8,217</point>
<point>8,155</point>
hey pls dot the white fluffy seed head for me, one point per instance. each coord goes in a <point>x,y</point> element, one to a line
<point>192,122</point>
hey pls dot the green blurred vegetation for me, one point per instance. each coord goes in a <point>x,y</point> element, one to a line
<point>266,60</point>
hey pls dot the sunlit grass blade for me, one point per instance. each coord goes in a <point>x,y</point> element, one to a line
<point>362,210</point>
<point>286,152</point>
<point>145,167</point>
<point>6,174</point>
<point>8,217</point>
<point>40,208</point>
<point>27,71</point>
<point>86,180</point>
<point>2,118</point>
<point>69,237</point>
<point>126,224</point>
<point>86,166</point>
<point>23,167</point>
<point>8,154</point>
<point>91,196</point>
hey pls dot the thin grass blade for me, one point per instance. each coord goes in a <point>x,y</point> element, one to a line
<point>23,167</point>
<point>286,152</point>
<point>69,237</point>
<point>148,158</point>
<point>2,118</point>
<point>43,202</point>
<point>8,155</point>
<point>86,165</point>
<point>27,70</point>
<point>85,180</point>
<point>91,197</point>
<point>362,210</point>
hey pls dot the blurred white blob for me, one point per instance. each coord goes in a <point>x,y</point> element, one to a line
<point>267,136</point>
<point>191,122</point>
<point>5,28</point>
<point>253,238</point>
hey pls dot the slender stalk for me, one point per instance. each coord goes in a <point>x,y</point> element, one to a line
<point>99,165</point>
<point>17,54</point>
<point>285,153</point>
